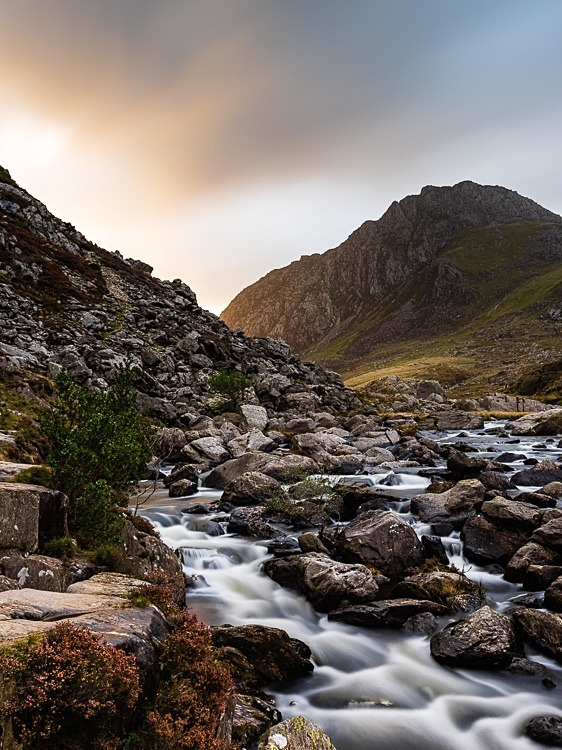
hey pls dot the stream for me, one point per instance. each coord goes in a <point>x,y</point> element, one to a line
<point>370,689</point>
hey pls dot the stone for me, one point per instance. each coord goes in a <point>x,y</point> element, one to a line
<point>183,471</point>
<point>251,488</point>
<point>381,539</point>
<point>107,584</point>
<point>483,640</point>
<point>272,654</point>
<point>297,733</point>
<point>311,542</point>
<point>182,488</point>
<point>254,440</point>
<point>454,590</point>
<point>550,535</point>
<point>30,604</point>
<point>539,577</point>
<point>145,554</point>
<point>36,571</point>
<point>211,448</point>
<point>390,613</point>
<point>549,423</point>
<point>553,489</point>
<point>553,595</point>
<point>527,555</point>
<point>253,715</point>
<point>8,584</point>
<point>486,542</point>
<point>323,581</point>
<point>511,513</point>
<point>249,521</point>
<point>546,730</point>
<point>542,629</point>
<point>255,417</point>
<point>283,468</point>
<point>30,516</point>
<point>540,499</point>
<point>11,630</point>
<point>423,623</point>
<point>465,467</point>
<point>452,506</point>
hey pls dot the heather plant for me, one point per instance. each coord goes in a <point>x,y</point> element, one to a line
<point>69,691</point>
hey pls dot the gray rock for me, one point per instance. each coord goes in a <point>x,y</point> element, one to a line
<point>283,468</point>
<point>30,515</point>
<point>549,423</point>
<point>453,590</point>
<point>255,417</point>
<point>529,554</point>
<point>391,613</point>
<point>107,584</point>
<point>30,604</point>
<point>542,629</point>
<point>484,640</point>
<point>486,542</point>
<point>297,733</point>
<point>36,571</point>
<point>251,488</point>
<point>511,513</point>
<point>145,554</point>
<point>452,506</point>
<point>546,730</point>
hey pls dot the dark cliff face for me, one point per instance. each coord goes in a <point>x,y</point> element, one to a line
<point>419,269</point>
<point>64,302</point>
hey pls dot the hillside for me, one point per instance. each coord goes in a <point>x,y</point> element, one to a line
<point>462,283</point>
<point>64,302</point>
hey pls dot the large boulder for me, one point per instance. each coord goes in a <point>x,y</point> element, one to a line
<point>144,554</point>
<point>250,521</point>
<point>107,584</point>
<point>546,730</point>
<point>512,514</point>
<point>30,604</point>
<point>255,417</point>
<point>297,733</point>
<point>258,655</point>
<point>484,639</point>
<point>36,571</point>
<point>251,488</point>
<point>452,506</point>
<point>284,468</point>
<point>381,539</point>
<point>550,535</point>
<point>30,516</point>
<point>549,423</point>
<point>527,555</point>
<point>464,466</point>
<point>324,582</point>
<point>454,590</point>
<point>553,595</point>
<point>542,629</point>
<point>543,473</point>
<point>390,613</point>
<point>486,542</point>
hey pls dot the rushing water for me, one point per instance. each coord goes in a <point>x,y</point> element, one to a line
<point>371,689</point>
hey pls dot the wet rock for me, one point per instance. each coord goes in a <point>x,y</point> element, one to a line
<point>513,514</point>
<point>423,623</point>
<point>253,715</point>
<point>434,549</point>
<point>553,489</point>
<point>550,535</point>
<point>381,539</point>
<point>184,471</point>
<point>529,554</point>
<point>483,640</point>
<point>282,547</point>
<point>452,506</point>
<point>542,629</point>
<point>465,467</point>
<point>283,468</point>
<point>547,730</point>
<point>249,521</point>
<point>542,473</point>
<point>495,480</point>
<point>453,590</point>
<point>311,542</point>
<point>272,654</point>
<point>353,498</point>
<point>485,542</point>
<point>539,577</point>
<point>251,488</point>
<point>553,595</point>
<point>391,613</point>
<point>539,499</point>
<point>323,581</point>
<point>523,667</point>
<point>182,488</point>
<point>297,733</point>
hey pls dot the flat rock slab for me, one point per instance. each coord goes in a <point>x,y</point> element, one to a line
<point>30,604</point>
<point>107,584</point>
<point>11,630</point>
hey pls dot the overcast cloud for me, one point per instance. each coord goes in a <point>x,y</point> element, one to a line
<point>218,140</point>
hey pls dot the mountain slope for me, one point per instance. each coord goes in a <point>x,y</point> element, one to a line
<point>467,258</point>
<point>64,302</point>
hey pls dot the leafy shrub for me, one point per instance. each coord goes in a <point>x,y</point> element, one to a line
<point>192,692</point>
<point>63,547</point>
<point>231,385</point>
<point>42,475</point>
<point>99,446</point>
<point>109,555</point>
<point>70,691</point>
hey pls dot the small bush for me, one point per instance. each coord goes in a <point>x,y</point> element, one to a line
<point>192,693</point>
<point>96,517</point>
<point>64,547</point>
<point>109,555</point>
<point>231,385</point>
<point>42,475</point>
<point>70,690</point>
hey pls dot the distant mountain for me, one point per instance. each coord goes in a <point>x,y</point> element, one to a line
<point>438,278</point>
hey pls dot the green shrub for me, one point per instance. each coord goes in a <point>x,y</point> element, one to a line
<point>109,555</point>
<point>63,547</point>
<point>70,691</point>
<point>99,446</point>
<point>231,385</point>
<point>42,475</point>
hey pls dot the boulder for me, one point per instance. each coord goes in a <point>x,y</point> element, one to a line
<point>390,613</point>
<point>249,521</point>
<point>539,499</point>
<point>550,535</point>
<point>210,448</point>
<point>512,514</point>
<point>253,715</point>
<point>272,655</point>
<point>546,730</point>
<point>255,417</point>
<point>539,577</point>
<point>553,489</point>
<point>553,595</point>
<point>107,584</point>
<point>36,571</point>
<point>453,590</point>
<point>297,733</point>
<point>311,542</point>
<point>465,467</point>
<point>251,488</point>
<point>30,604</point>
<point>486,542</point>
<point>381,539</point>
<point>452,506</point>
<point>542,629</point>
<point>30,516</point>
<point>543,473</point>
<point>495,480</point>
<point>323,581</point>
<point>318,444</point>
<point>254,440</point>
<point>8,584</point>
<point>284,468</point>
<point>527,555</point>
<point>543,423</point>
<point>484,640</point>
<point>183,471</point>
<point>182,488</point>
<point>144,554</point>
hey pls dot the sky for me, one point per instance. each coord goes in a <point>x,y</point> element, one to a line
<point>219,139</point>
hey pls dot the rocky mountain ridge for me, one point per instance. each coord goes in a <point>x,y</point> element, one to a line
<point>64,302</point>
<point>434,264</point>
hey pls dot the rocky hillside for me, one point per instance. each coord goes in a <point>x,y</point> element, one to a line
<point>437,269</point>
<point>64,302</point>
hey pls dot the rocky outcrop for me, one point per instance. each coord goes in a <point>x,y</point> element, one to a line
<point>297,733</point>
<point>30,516</point>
